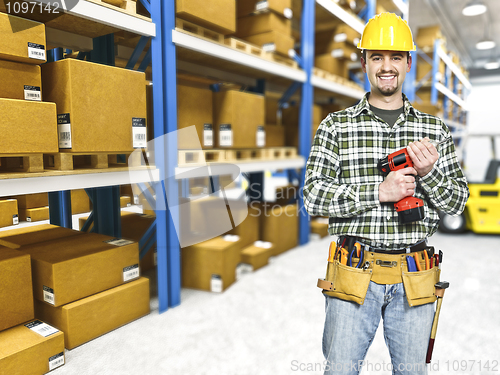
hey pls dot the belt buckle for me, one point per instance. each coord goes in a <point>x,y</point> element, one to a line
<point>386,263</point>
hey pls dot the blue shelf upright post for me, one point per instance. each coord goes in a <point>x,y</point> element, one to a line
<point>59,201</point>
<point>370,13</point>
<point>306,104</point>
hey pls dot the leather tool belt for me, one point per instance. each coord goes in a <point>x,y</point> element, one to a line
<point>351,283</point>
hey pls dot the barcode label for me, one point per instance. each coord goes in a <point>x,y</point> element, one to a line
<point>225,135</point>
<point>342,37</point>
<point>338,53</point>
<point>36,51</point>
<point>261,5</point>
<point>48,295</point>
<point>32,93</point>
<point>43,329</point>
<point>261,136</point>
<point>28,219</point>
<point>288,13</point>
<point>15,219</point>
<point>269,47</point>
<point>208,135</point>
<point>216,284</point>
<point>56,361</point>
<point>139,132</point>
<point>119,242</point>
<point>130,273</point>
<point>136,199</point>
<point>64,130</point>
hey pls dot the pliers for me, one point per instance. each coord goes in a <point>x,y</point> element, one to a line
<point>356,252</point>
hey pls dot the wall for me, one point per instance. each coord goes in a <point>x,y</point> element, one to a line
<point>483,118</point>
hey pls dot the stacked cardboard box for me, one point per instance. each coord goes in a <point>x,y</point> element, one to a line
<point>335,48</point>
<point>76,274</point>
<point>219,16</point>
<point>279,226</point>
<point>80,202</point>
<point>291,116</point>
<point>427,36</point>
<point>9,214</point>
<point>257,254</point>
<point>266,24</point>
<point>275,131</point>
<point>33,207</point>
<point>239,119</point>
<point>90,112</point>
<point>28,125</point>
<point>319,226</point>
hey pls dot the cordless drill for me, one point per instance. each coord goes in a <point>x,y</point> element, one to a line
<point>409,209</point>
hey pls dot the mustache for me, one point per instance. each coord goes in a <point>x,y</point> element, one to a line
<point>383,72</point>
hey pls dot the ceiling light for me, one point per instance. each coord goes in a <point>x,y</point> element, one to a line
<point>492,64</point>
<point>485,44</point>
<point>474,8</point>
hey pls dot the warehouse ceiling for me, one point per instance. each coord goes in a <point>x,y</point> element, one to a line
<point>461,32</point>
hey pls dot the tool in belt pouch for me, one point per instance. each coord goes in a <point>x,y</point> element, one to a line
<point>350,283</point>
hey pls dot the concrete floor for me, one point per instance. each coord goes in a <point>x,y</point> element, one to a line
<point>271,322</point>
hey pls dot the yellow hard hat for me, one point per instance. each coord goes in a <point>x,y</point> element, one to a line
<point>388,32</point>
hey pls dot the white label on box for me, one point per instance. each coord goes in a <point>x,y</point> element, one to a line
<point>64,130</point>
<point>28,219</point>
<point>263,244</point>
<point>261,5</point>
<point>48,295</point>
<point>354,56</point>
<point>136,199</point>
<point>139,132</point>
<point>208,135</point>
<point>41,328</point>
<point>342,37</point>
<point>231,238</point>
<point>338,53</point>
<point>36,51</point>
<point>355,41</point>
<point>261,136</point>
<point>130,273</point>
<point>288,13</point>
<point>225,135</point>
<point>119,242</point>
<point>15,219</point>
<point>216,284</point>
<point>32,93</point>
<point>56,361</point>
<point>269,47</point>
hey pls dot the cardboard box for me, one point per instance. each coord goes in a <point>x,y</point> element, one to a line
<point>272,41</point>
<point>263,23</point>
<point>8,213</point>
<point>279,226</point>
<point>248,229</point>
<point>80,202</point>
<point>20,81</point>
<point>30,351</point>
<point>101,115</point>
<point>32,200</point>
<point>69,269</point>
<point>22,40</point>
<point>194,107</point>
<point>125,202</point>
<point>424,70</point>
<point>291,123</point>
<point>346,51</point>
<point>257,254</point>
<point>426,37</point>
<point>428,107</point>
<point>210,265</point>
<point>16,293</point>
<point>217,15</point>
<point>332,65</point>
<point>16,238</point>
<point>320,227</point>
<point>237,117</point>
<point>94,316</point>
<point>34,214</point>
<point>126,190</point>
<point>271,105</point>
<point>247,7</point>
<point>275,135</point>
<point>328,40</point>
<point>28,127</point>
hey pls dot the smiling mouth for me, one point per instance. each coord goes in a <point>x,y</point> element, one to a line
<point>386,78</point>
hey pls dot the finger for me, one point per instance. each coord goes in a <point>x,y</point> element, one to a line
<point>430,147</point>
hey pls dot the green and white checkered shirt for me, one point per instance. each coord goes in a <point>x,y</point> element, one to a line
<point>342,178</point>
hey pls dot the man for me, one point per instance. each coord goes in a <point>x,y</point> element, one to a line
<point>343,182</point>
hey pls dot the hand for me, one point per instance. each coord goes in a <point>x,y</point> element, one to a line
<point>423,154</point>
<point>397,185</point>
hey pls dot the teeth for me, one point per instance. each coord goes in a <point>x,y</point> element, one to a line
<point>382,77</point>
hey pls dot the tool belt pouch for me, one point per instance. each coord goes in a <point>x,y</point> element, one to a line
<point>344,282</point>
<point>419,286</point>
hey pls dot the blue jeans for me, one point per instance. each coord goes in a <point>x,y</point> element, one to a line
<point>350,328</point>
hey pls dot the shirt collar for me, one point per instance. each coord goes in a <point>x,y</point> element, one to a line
<point>363,105</point>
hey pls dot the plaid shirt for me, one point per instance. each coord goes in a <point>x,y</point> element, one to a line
<point>342,178</point>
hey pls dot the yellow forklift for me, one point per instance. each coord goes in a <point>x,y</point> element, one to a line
<point>482,211</point>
